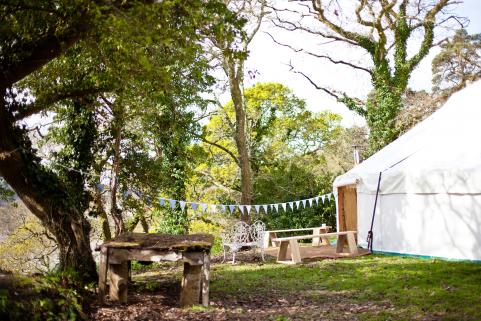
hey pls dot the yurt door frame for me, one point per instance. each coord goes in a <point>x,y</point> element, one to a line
<point>347,208</point>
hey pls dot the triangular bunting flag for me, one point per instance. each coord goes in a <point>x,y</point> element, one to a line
<point>265,208</point>
<point>329,196</point>
<point>317,200</point>
<point>258,208</point>
<point>291,204</point>
<point>172,203</point>
<point>194,206</point>
<point>323,197</point>
<point>241,208</point>
<point>182,205</point>
<point>310,201</point>
<point>100,187</point>
<point>231,208</point>
<point>213,208</point>
<point>126,194</point>
<point>276,207</point>
<point>222,208</point>
<point>284,206</point>
<point>304,203</point>
<point>248,208</point>
<point>161,201</point>
<point>203,206</point>
<point>298,204</point>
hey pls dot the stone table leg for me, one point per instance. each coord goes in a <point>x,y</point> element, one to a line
<point>191,287</point>
<point>119,275</point>
<point>205,280</point>
<point>103,267</point>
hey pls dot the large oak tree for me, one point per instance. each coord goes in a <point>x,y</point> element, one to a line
<point>36,33</point>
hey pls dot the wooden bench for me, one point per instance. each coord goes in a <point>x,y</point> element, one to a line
<point>271,236</point>
<point>342,238</point>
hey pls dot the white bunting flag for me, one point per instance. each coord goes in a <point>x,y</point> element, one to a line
<point>204,207</point>
<point>258,208</point>
<point>284,206</point>
<point>194,206</point>
<point>329,196</point>
<point>241,208</point>
<point>265,208</point>
<point>172,204</point>
<point>276,207</point>
<point>231,208</point>
<point>310,202</point>
<point>291,204</point>
<point>248,208</point>
<point>213,208</point>
<point>304,203</point>
<point>182,205</point>
<point>222,208</point>
<point>317,200</point>
<point>323,197</point>
<point>298,204</point>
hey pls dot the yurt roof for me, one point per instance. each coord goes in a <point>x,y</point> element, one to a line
<point>441,154</point>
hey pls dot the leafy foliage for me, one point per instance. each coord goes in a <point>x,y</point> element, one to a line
<point>56,296</point>
<point>286,143</point>
<point>458,63</point>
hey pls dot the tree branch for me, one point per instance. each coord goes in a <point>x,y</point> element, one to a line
<point>205,140</point>
<point>321,56</point>
<point>24,111</point>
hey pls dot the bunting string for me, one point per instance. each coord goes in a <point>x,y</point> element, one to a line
<point>203,207</point>
<point>245,209</point>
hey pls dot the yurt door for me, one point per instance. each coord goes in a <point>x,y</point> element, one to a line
<point>347,208</point>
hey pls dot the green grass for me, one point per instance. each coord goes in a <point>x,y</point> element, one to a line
<point>413,289</point>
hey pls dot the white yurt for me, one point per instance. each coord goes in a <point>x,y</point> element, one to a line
<point>429,197</point>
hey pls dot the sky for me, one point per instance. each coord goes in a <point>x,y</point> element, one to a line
<point>271,61</point>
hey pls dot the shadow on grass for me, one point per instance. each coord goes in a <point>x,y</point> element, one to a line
<point>367,288</point>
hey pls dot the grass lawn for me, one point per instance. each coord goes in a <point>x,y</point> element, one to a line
<point>367,288</point>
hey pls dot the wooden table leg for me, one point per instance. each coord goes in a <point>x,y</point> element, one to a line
<point>316,240</point>
<point>295,251</point>
<point>119,275</point>
<point>273,236</point>
<point>103,267</point>
<point>351,241</point>
<point>341,241</point>
<point>324,239</point>
<point>191,280</point>
<point>282,254</point>
<point>205,280</point>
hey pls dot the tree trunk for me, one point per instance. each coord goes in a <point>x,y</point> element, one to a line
<point>114,210</point>
<point>235,84</point>
<point>45,196</point>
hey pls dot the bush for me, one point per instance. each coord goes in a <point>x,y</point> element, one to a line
<point>50,297</point>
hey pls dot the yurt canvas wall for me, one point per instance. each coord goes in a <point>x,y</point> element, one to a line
<point>430,193</point>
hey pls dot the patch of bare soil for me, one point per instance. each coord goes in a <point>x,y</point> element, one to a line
<point>161,303</point>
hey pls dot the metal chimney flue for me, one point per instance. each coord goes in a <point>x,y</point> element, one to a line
<point>355,153</point>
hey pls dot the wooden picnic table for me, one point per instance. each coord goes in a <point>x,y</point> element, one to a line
<point>193,250</point>
<point>292,242</point>
<point>270,236</point>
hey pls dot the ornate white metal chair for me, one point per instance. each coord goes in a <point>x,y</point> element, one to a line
<point>235,238</point>
<point>240,235</point>
<point>257,231</point>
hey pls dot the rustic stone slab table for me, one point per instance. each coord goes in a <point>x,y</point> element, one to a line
<point>193,250</point>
